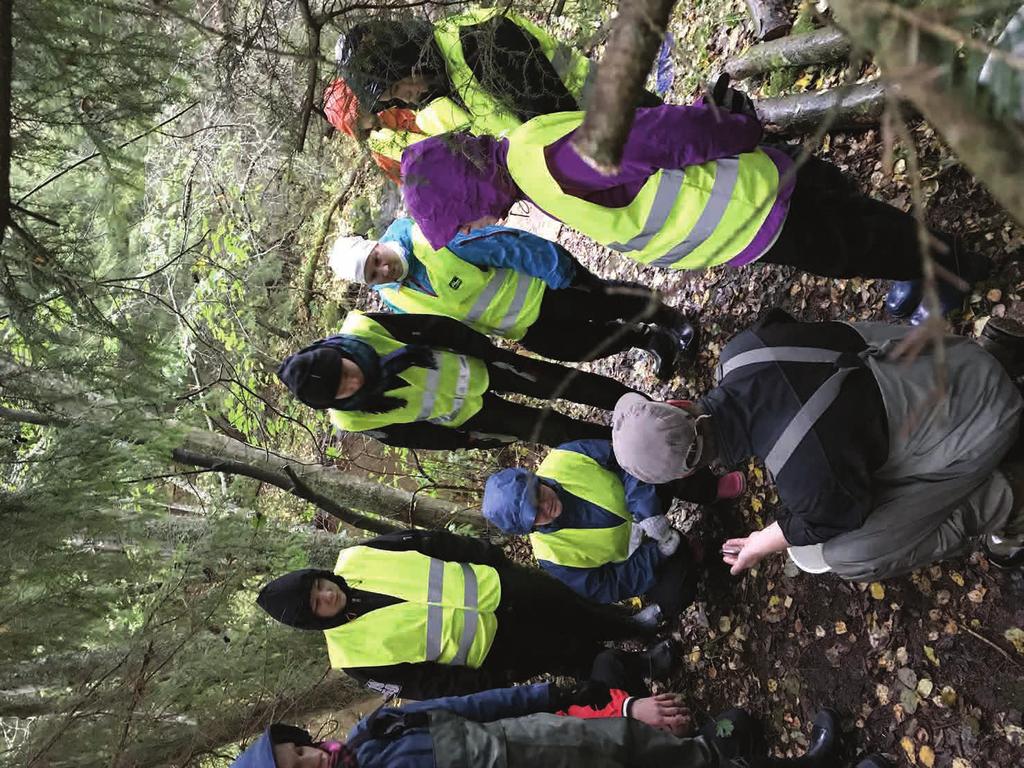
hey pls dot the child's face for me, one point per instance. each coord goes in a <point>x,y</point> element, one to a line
<point>549,506</point>
<point>288,755</point>
<point>351,379</point>
<point>326,599</point>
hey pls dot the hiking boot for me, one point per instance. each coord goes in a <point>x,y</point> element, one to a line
<point>824,741</point>
<point>731,486</point>
<point>1003,338</point>
<point>903,298</point>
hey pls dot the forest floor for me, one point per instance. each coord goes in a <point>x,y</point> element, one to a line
<point>927,668</point>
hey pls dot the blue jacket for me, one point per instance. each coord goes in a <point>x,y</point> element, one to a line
<point>500,247</point>
<point>610,582</point>
<point>414,748</point>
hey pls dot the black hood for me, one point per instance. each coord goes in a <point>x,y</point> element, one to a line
<point>287,599</point>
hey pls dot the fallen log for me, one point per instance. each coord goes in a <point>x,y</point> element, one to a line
<point>817,47</point>
<point>860,106</point>
<point>770,17</point>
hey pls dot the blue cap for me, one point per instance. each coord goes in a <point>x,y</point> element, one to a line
<point>510,500</point>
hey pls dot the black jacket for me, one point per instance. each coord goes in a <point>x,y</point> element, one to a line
<point>826,487</point>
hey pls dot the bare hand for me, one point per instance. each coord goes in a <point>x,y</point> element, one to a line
<point>664,712</point>
<point>741,554</point>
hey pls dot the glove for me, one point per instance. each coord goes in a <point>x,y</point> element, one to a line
<point>657,527</point>
<point>588,693</point>
<point>668,546</point>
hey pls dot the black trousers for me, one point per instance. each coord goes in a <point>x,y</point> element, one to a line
<point>591,320</point>
<point>540,379</point>
<point>834,230</point>
<point>545,627</point>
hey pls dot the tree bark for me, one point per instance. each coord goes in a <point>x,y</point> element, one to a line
<point>633,43</point>
<point>385,509</point>
<point>770,17</point>
<point>817,47</point>
<point>920,64</point>
<point>860,106</point>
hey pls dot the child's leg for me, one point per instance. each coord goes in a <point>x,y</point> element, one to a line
<point>836,231</point>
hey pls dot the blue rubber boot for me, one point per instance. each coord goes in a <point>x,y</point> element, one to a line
<point>950,298</point>
<point>903,297</point>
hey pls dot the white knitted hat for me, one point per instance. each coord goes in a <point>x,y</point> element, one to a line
<point>348,257</point>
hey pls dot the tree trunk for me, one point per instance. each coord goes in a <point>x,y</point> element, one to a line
<point>818,47</point>
<point>770,17</point>
<point>366,502</point>
<point>634,41</point>
<point>920,63</point>
<point>860,106</point>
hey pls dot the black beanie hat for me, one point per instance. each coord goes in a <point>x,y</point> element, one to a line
<point>313,375</point>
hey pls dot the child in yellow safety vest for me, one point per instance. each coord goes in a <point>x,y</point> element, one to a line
<point>515,285</point>
<point>428,613</point>
<point>427,381</point>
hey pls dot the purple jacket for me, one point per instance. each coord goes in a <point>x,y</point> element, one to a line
<point>473,177</point>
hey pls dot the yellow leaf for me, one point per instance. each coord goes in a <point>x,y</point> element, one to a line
<point>756,504</point>
<point>908,747</point>
<point>959,762</point>
<point>724,624</point>
<point>948,696</point>
<point>803,82</point>
<point>1016,636</point>
<point>882,694</point>
<point>840,627</point>
<point>929,652</point>
<point>877,591</point>
<point>924,687</point>
<point>927,756</point>
<point>957,578</point>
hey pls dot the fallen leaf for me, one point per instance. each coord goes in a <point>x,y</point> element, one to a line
<point>959,762</point>
<point>882,694</point>
<point>724,624</point>
<point>877,591</point>
<point>957,578</point>
<point>929,652</point>
<point>840,627</point>
<point>977,594</point>
<point>924,687</point>
<point>1016,636</point>
<point>927,756</point>
<point>948,696</point>
<point>909,749</point>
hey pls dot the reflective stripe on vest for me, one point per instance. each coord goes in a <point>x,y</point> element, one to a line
<point>495,302</point>
<point>447,394</point>
<point>446,614</point>
<point>584,478</point>
<point>813,409</point>
<point>698,216</point>
<point>489,115</point>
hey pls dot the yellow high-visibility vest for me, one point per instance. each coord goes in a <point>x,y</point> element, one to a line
<point>691,218</point>
<point>446,395</point>
<point>584,478</point>
<point>495,302</point>
<point>489,115</point>
<point>447,613</point>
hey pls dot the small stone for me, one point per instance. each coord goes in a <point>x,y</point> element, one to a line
<point>994,295</point>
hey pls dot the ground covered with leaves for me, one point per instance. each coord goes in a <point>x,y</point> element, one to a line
<point>926,668</point>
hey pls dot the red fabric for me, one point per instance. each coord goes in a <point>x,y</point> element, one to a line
<point>399,119</point>
<point>392,168</point>
<point>612,709</point>
<point>341,107</point>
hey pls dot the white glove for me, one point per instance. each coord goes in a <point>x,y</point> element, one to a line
<point>668,546</point>
<point>657,527</point>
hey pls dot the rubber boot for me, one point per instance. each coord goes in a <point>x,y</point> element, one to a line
<point>731,486</point>
<point>660,659</point>
<point>950,298</point>
<point>903,298</point>
<point>824,741</point>
<point>664,347</point>
<point>650,617</point>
